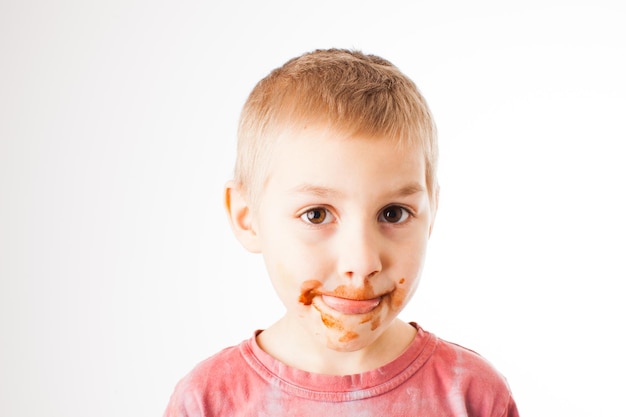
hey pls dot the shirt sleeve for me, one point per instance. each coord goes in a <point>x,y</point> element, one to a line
<point>511,409</point>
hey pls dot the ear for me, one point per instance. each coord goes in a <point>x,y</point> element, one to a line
<point>434,207</point>
<point>240,216</point>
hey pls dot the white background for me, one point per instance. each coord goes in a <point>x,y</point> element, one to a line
<point>117,132</point>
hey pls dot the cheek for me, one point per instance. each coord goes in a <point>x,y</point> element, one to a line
<point>283,281</point>
<point>292,286</point>
<point>399,297</point>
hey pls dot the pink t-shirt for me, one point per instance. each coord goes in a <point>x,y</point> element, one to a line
<point>431,378</point>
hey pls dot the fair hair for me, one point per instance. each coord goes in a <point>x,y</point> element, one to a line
<point>345,90</point>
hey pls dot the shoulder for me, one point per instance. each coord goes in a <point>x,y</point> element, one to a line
<point>216,367</point>
<point>469,379</point>
<point>464,358</point>
<point>197,392</point>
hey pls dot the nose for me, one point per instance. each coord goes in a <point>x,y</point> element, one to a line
<point>359,252</point>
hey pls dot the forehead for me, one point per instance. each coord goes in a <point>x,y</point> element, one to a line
<point>330,158</point>
<point>306,136</point>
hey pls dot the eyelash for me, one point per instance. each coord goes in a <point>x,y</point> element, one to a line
<point>307,215</point>
<point>404,217</point>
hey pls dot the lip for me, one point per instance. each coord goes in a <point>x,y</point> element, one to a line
<point>350,306</point>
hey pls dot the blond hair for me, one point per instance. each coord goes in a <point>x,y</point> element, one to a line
<point>346,90</point>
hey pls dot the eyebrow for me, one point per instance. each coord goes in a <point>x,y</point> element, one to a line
<point>325,192</point>
<point>316,190</point>
<point>410,189</point>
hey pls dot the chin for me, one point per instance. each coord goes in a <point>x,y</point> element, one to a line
<point>350,333</point>
<point>346,340</point>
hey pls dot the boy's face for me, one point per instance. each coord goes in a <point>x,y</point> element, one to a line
<point>343,224</point>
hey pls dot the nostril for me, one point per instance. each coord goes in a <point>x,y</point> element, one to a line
<point>365,276</point>
<point>359,253</point>
<point>372,274</point>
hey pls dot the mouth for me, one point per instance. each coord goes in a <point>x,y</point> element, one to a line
<point>350,306</point>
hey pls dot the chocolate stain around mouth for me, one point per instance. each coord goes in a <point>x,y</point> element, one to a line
<point>397,296</point>
<point>307,291</point>
<point>365,293</point>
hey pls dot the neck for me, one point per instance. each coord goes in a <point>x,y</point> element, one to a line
<point>291,344</point>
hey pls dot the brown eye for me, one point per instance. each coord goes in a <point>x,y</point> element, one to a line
<point>394,214</point>
<point>316,216</point>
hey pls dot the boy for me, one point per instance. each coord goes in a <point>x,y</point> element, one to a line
<point>335,185</point>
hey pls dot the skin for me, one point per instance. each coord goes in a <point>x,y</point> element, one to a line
<point>343,225</point>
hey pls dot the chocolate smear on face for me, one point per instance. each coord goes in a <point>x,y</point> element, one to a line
<point>331,322</point>
<point>348,336</point>
<point>398,297</point>
<point>365,293</point>
<point>307,291</point>
<point>375,323</point>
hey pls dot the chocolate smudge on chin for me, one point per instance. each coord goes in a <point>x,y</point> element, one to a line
<point>375,323</point>
<point>348,336</point>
